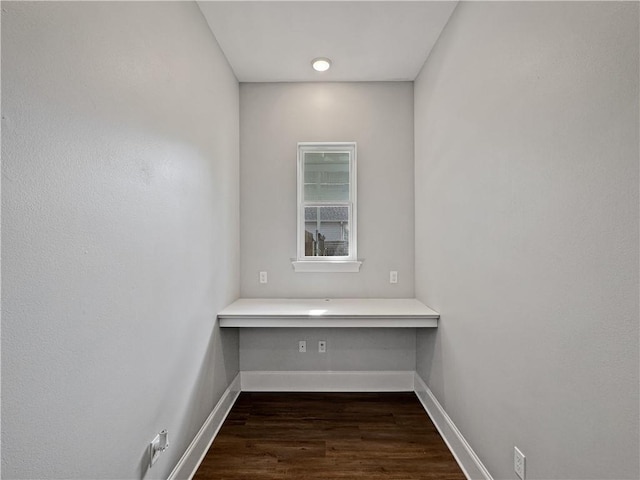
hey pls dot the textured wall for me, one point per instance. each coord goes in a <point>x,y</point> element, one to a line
<point>119,234</point>
<point>348,349</point>
<point>273,119</point>
<point>527,232</point>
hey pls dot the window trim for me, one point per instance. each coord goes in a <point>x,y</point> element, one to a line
<point>347,263</point>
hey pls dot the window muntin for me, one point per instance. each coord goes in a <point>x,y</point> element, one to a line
<point>326,202</point>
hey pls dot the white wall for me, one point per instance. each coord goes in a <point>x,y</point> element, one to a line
<point>348,349</point>
<point>120,234</point>
<point>527,225</point>
<point>273,119</point>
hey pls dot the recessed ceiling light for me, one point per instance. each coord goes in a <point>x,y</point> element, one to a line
<point>321,64</point>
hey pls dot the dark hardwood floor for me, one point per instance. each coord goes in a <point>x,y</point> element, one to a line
<point>328,436</point>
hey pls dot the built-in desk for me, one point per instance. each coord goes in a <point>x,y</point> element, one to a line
<point>334,312</point>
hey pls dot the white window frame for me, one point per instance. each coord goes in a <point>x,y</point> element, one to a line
<point>347,263</point>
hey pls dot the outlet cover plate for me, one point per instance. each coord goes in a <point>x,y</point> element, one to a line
<point>519,462</point>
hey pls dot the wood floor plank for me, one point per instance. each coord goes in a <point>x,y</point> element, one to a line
<point>326,436</point>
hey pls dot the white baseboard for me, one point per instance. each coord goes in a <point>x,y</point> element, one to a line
<point>300,381</point>
<point>469,462</point>
<point>193,456</point>
<point>314,381</point>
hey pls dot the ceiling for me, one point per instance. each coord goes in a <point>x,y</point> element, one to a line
<point>275,41</point>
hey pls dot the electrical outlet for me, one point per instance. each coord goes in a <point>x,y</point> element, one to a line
<point>157,446</point>
<point>393,277</point>
<point>302,346</point>
<point>518,462</point>
<point>322,346</point>
<point>263,277</point>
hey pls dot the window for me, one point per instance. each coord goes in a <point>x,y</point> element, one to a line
<point>327,208</point>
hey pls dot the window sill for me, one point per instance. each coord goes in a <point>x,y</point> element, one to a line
<point>335,266</point>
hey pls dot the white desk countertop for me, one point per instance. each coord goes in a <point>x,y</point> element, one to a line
<point>335,312</point>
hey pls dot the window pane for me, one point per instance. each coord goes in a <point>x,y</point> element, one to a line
<point>326,176</point>
<point>326,231</point>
